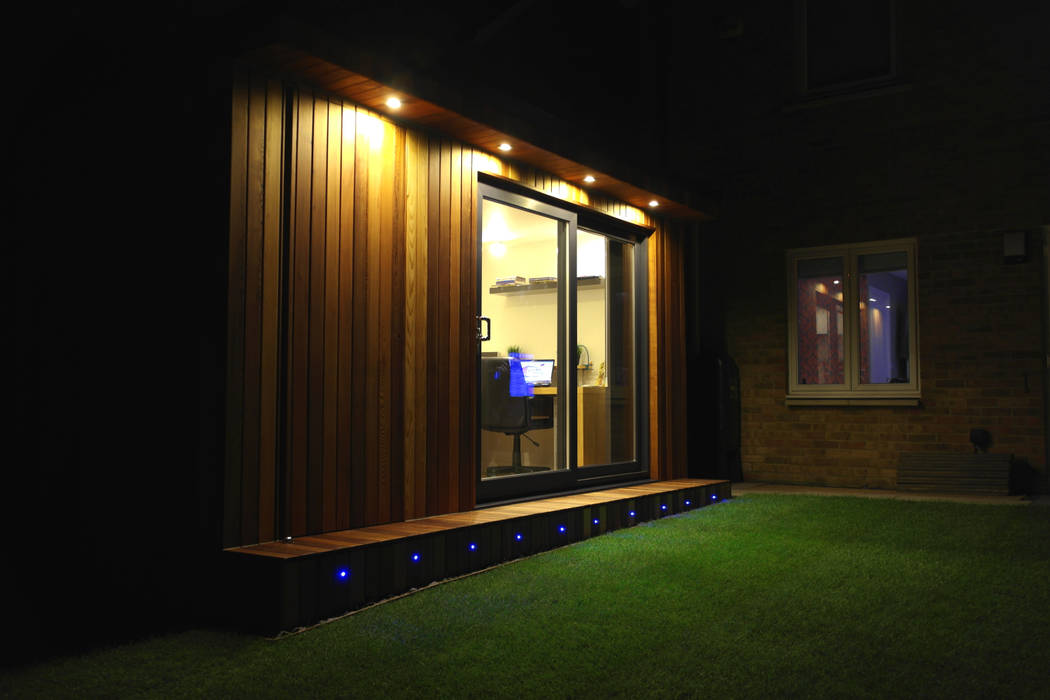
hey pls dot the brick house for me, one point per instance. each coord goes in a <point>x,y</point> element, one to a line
<point>819,131</point>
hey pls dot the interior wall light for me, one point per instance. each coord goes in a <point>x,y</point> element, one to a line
<point>837,282</point>
<point>588,178</point>
<point>653,203</point>
<point>504,146</point>
<point>393,103</point>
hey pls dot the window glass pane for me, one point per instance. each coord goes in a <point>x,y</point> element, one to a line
<point>883,301</point>
<point>821,340</point>
<point>520,363</point>
<point>605,337</point>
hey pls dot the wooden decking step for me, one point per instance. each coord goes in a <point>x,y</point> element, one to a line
<point>282,585</point>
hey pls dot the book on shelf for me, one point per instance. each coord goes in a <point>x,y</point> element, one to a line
<point>509,281</point>
<point>538,280</point>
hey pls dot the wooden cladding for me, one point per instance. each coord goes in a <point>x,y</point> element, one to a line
<point>351,353</point>
<point>668,432</point>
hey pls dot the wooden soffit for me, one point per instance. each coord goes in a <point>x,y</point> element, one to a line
<point>284,60</point>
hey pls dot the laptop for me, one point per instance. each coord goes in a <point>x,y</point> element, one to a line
<point>537,372</point>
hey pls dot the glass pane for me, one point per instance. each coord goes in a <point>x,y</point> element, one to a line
<point>605,363</point>
<point>821,340</point>
<point>519,363</point>
<point>883,295</point>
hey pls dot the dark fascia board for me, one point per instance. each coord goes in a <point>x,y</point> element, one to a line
<point>497,110</point>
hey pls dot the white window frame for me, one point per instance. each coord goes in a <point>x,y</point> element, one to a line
<point>852,391</point>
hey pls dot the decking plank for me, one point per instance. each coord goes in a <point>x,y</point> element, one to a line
<point>373,534</point>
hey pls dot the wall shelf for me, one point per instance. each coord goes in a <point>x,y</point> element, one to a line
<point>552,286</point>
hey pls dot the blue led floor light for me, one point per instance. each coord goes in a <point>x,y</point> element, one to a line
<point>342,575</point>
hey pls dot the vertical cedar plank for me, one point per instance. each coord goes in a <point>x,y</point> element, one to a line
<point>232,535</point>
<point>655,390</point>
<point>253,307</point>
<point>359,396</point>
<point>455,386</point>
<point>271,301</point>
<point>315,390</point>
<point>397,334</point>
<point>421,349</point>
<point>383,368</point>
<point>371,149</point>
<point>468,267</point>
<point>444,218</point>
<point>679,466</point>
<point>346,317</point>
<point>409,362</point>
<point>298,374</point>
<point>329,490</point>
<point>434,397</point>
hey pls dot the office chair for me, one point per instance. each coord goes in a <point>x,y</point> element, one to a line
<point>511,415</point>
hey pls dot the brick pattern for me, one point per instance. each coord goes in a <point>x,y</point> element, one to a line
<point>979,334</point>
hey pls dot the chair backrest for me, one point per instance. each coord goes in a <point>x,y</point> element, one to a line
<point>499,410</point>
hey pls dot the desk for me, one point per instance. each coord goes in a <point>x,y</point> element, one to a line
<point>592,423</point>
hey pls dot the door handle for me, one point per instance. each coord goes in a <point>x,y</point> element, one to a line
<point>488,328</point>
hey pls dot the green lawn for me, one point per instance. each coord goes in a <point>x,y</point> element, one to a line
<point>763,595</point>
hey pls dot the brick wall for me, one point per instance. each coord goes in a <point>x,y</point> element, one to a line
<point>956,152</point>
<point>979,333</point>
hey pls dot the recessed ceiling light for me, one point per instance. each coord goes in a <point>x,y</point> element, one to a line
<point>504,146</point>
<point>588,178</point>
<point>888,306</point>
<point>872,299</point>
<point>653,203</point>
<point>393,103</point>
<point>835,282</point>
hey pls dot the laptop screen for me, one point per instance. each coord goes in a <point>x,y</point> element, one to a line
<point>537,372</point>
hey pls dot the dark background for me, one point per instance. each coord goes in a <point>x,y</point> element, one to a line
<point>118,191</point>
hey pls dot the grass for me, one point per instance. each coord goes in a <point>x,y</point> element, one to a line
<point>763,595</point>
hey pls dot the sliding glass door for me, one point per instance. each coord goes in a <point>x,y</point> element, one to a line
<point>558,344</point>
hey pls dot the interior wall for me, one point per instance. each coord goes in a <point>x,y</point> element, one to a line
<point>351,362</point>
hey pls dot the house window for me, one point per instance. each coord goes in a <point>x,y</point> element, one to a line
<point>845,46</point>
<point>852,322</point>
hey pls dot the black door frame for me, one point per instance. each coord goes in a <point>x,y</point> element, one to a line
<point>572,217</point>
